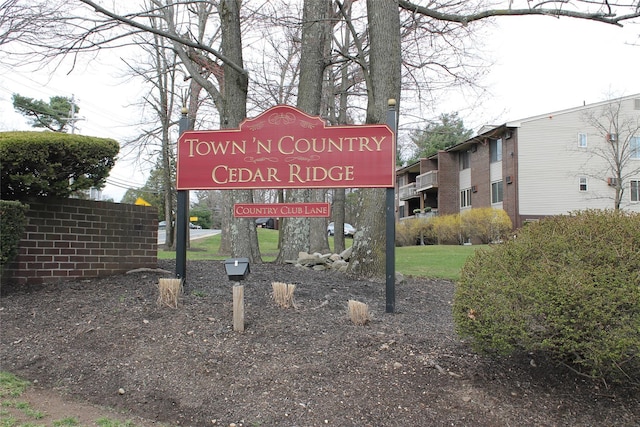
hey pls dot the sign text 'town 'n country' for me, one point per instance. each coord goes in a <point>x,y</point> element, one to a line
<point>285,148</point>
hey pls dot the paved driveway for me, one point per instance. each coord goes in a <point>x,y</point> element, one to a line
<point>193,234</point>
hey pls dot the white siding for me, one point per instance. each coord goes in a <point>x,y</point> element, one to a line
<point>550,164</point>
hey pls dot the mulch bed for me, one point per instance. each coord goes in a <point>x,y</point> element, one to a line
<point>107,341</point>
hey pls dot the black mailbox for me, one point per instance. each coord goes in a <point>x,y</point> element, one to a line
<point>237,268</point>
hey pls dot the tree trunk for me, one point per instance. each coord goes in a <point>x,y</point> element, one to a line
<point>338,220</point>
<point>243,236</point>
<point>226,215</point>
<point>318,240</point>
<point>298,235</point>
<point>339,194</point>
<point>383,17</point>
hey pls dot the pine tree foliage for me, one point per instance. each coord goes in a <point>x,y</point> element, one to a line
<point>54,115</point>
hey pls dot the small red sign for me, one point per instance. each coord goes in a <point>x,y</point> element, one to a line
<point>281,210</point>
<point>286,148</point>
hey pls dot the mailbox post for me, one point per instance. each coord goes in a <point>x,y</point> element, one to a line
<point>237,268</point>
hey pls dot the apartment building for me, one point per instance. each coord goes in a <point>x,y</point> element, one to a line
<point>581,158</point>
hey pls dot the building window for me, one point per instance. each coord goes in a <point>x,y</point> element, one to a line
<point>495,150</point>
<point>635,190</point>
<point>465,162</point>
<point>465,198</point>
<point>582,140</point>
<point>496,191</point>
<point>583,183</point>
<point>634,147</point>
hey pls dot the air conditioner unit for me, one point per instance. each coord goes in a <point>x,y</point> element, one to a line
<point>612,137</point>
<point>612,182</point>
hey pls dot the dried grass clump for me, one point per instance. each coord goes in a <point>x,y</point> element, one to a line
<point>359,312</point>
<point>283,294</point>
<point>170,289</point>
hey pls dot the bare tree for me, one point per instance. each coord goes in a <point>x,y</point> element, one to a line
<point>236,82</point>
<point>274,58</point>
<point>15,19</point>
<point>384,70</point>
<point>605,11</point>
<point>348,74</point>
<point>296,235</point>
<point>384,29</point>
<point>225,81</point>
<point>87,26</point>
<point>620,132</point>
<point>161,100</point>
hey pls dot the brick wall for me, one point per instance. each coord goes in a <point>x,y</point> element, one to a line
<point>481,177</point>
<point>72,239</point>
<point>510,169</point>
<point>448,187</point>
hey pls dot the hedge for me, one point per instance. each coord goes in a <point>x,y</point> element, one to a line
<point>34,164</point>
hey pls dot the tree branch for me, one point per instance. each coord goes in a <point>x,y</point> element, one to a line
<point>167,35</point>
<point>607,18</point>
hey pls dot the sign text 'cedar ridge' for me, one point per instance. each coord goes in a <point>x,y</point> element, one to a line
<point>286,148</point>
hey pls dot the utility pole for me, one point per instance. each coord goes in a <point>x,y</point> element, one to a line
<point>72,119</point>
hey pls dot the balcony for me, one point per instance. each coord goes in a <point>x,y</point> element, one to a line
<point>433,213</point>
<point>426,181</point>
<point>408,191</point>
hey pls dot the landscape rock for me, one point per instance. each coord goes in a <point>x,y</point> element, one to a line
<point>320,262</point>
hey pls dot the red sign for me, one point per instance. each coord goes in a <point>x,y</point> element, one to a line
<point>286,148</point>
<point>281,210</point>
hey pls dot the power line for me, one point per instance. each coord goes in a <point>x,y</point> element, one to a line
<point>49,90</point>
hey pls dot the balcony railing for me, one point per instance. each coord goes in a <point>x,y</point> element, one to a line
<point>434,212</point>
<point>408,191</point>
<point>427,180</point>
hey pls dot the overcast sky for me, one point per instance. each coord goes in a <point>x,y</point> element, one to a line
<point>542,65</point>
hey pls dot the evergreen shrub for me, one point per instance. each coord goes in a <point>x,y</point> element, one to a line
<point>567,287</point>
<point>52,164</point>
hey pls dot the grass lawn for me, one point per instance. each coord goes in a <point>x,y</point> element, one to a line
<point>438,262</point>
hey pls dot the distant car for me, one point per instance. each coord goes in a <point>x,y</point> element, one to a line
<point>194,226</point>
<point>349,230</point>
<point>266,223</point>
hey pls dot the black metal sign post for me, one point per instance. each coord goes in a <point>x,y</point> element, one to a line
<point>391,225</point>
<point>195,151</point>
<point>182,215</point>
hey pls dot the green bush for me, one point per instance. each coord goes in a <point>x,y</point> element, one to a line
<point>12,222</point>
<point>52,164</point>
<point>487,225</point>
<point>568,286</point>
